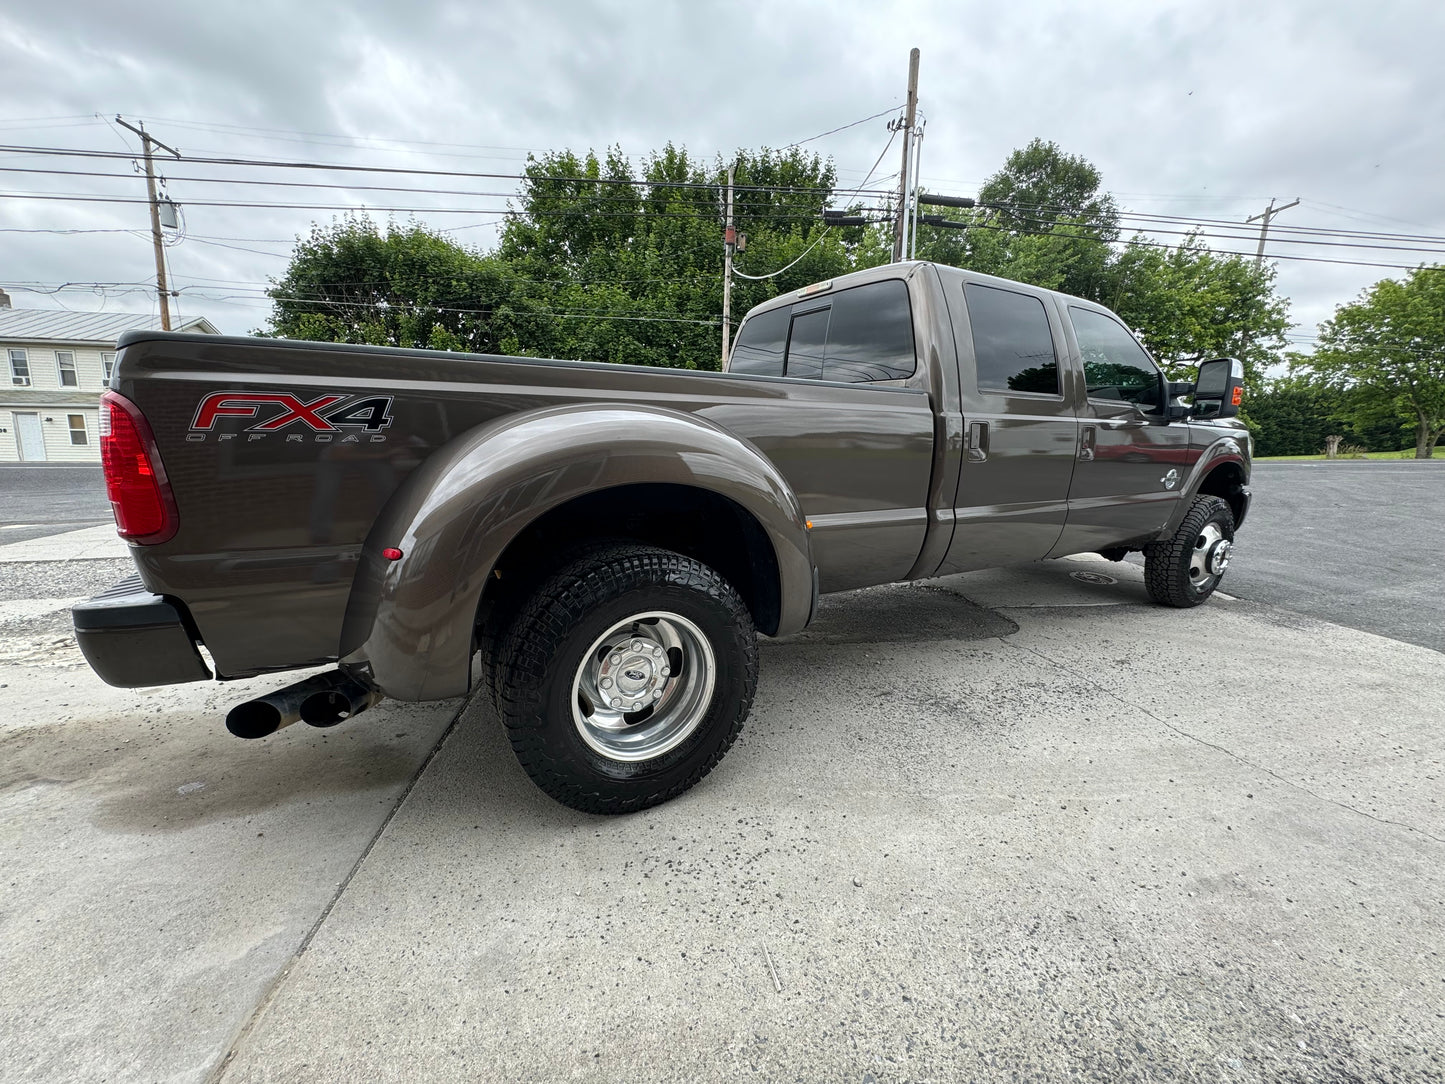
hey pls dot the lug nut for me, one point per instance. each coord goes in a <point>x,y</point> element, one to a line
<point>607,683</point>
<point>657,651</point>
<point>657,694</point>
<point>636,645</point>
<point>665,671</point>
<point>616,703</point>
<point>616,659</point>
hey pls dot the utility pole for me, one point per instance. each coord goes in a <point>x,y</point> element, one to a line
<point>730,243</point>
<point>1264,220</point>
<point>900,221</point>
<point>162,291</point>
<point>912,243</point>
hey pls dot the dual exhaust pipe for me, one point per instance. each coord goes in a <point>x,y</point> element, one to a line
<point>322,701</point>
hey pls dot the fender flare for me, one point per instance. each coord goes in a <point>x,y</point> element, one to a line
<point>409,622</point>
<point>1227,448</point>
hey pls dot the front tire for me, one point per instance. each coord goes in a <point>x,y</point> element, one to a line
<point>1184,570</point>
<point>626,678</point>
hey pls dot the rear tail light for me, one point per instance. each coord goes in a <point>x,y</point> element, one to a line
<point>140,495</point>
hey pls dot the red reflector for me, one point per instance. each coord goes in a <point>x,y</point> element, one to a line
<point>391,553</point>
<point>135,481</point>
<point>1237,397</point>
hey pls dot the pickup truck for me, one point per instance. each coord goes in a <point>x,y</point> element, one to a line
<point>596,546</point>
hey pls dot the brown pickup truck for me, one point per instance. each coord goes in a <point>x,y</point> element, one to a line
<point>595,545</point>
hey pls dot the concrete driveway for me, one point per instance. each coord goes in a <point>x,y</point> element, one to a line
<point>1007,826</point>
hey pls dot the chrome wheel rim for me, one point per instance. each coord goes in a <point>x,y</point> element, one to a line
<point>643,687</point>
<point>1210,556</point>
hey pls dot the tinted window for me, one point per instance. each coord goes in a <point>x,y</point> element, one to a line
<point>1011,341</point>
<point>805,345</point>
<point>1115,366</point>
<point>759,347</point>
<point>871,334</point>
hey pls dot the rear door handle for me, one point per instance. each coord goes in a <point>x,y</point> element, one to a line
<point>977,442</point>
<point>1087,437</point>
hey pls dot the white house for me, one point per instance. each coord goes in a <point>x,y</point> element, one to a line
<point>53,366</point>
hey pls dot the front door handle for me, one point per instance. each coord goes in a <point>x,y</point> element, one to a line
<point>977,442</point>
<point>1087,436</point>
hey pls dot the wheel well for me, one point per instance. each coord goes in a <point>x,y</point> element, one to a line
<point>1227,481</point>
<point>696,522</point>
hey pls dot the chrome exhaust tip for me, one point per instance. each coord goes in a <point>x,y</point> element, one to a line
<point>323,700</point>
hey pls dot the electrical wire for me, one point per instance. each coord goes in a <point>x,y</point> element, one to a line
<point>841,128</point>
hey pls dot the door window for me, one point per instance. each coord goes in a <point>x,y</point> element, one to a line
<point>1012,343</point>
<point>1116,368</point>
<point>760,344</point>
<point>805,345</point>
<point>871,334</point>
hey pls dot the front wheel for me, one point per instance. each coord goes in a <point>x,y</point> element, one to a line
<point>1184,570</point>
<point>626,677</point>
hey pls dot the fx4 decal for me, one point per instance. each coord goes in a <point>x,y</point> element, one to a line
<point>271,412</point>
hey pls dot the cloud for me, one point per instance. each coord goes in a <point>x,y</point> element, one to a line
<point>1197,109</point>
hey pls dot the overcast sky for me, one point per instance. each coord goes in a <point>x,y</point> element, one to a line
<point>1205,110</point>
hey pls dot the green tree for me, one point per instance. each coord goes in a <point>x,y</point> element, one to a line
<point>350,282</point>
<point>1293,416</point>
<point>616,265</point>
<point>1041,219</point>
<point>1388,347</point>
<point>1190,304</point>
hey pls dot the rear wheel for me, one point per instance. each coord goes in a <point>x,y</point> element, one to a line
<point>1184,570</point>
<point>626,677</point>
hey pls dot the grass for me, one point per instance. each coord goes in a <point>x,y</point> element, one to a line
<point>1408,453</point>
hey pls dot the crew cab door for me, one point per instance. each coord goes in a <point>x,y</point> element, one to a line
<point>1020,429</point>
<point>1131,461</point>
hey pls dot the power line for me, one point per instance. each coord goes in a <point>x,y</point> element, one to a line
<point>841,128</point>
<point>535,178</point>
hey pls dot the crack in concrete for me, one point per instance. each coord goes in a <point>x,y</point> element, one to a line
<point>1219,748</point>
<point>243,1034</point>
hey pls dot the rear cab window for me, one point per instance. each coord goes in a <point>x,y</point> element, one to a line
<point>863,334</point>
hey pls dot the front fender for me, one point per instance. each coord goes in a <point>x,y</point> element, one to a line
<point>1226,448</point>
<point>409,622</point>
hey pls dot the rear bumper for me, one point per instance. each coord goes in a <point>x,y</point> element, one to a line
<point>132,638</point>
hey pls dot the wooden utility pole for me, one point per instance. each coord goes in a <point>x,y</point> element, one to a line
<point>730,243</point>
<point>1263,220</point>
<point>899,220</point>
<point>162,291</point>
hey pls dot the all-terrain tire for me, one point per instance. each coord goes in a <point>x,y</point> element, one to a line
<point>551,651</point>
<point>1177,570</point>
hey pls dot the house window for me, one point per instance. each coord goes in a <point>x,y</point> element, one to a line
<point>65,362</point>
<point>107,363</point>
<point>77,429</point>
<point>19,369</point>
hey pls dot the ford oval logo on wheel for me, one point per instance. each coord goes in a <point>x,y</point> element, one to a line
<point>634,675</point>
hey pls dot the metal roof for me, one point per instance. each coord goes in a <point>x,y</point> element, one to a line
<point>60,326</point>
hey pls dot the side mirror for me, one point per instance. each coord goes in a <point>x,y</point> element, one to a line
<point>1219,389</point>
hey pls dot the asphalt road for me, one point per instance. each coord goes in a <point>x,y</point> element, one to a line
<point>1357,543</point>
<point>39,501</point>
